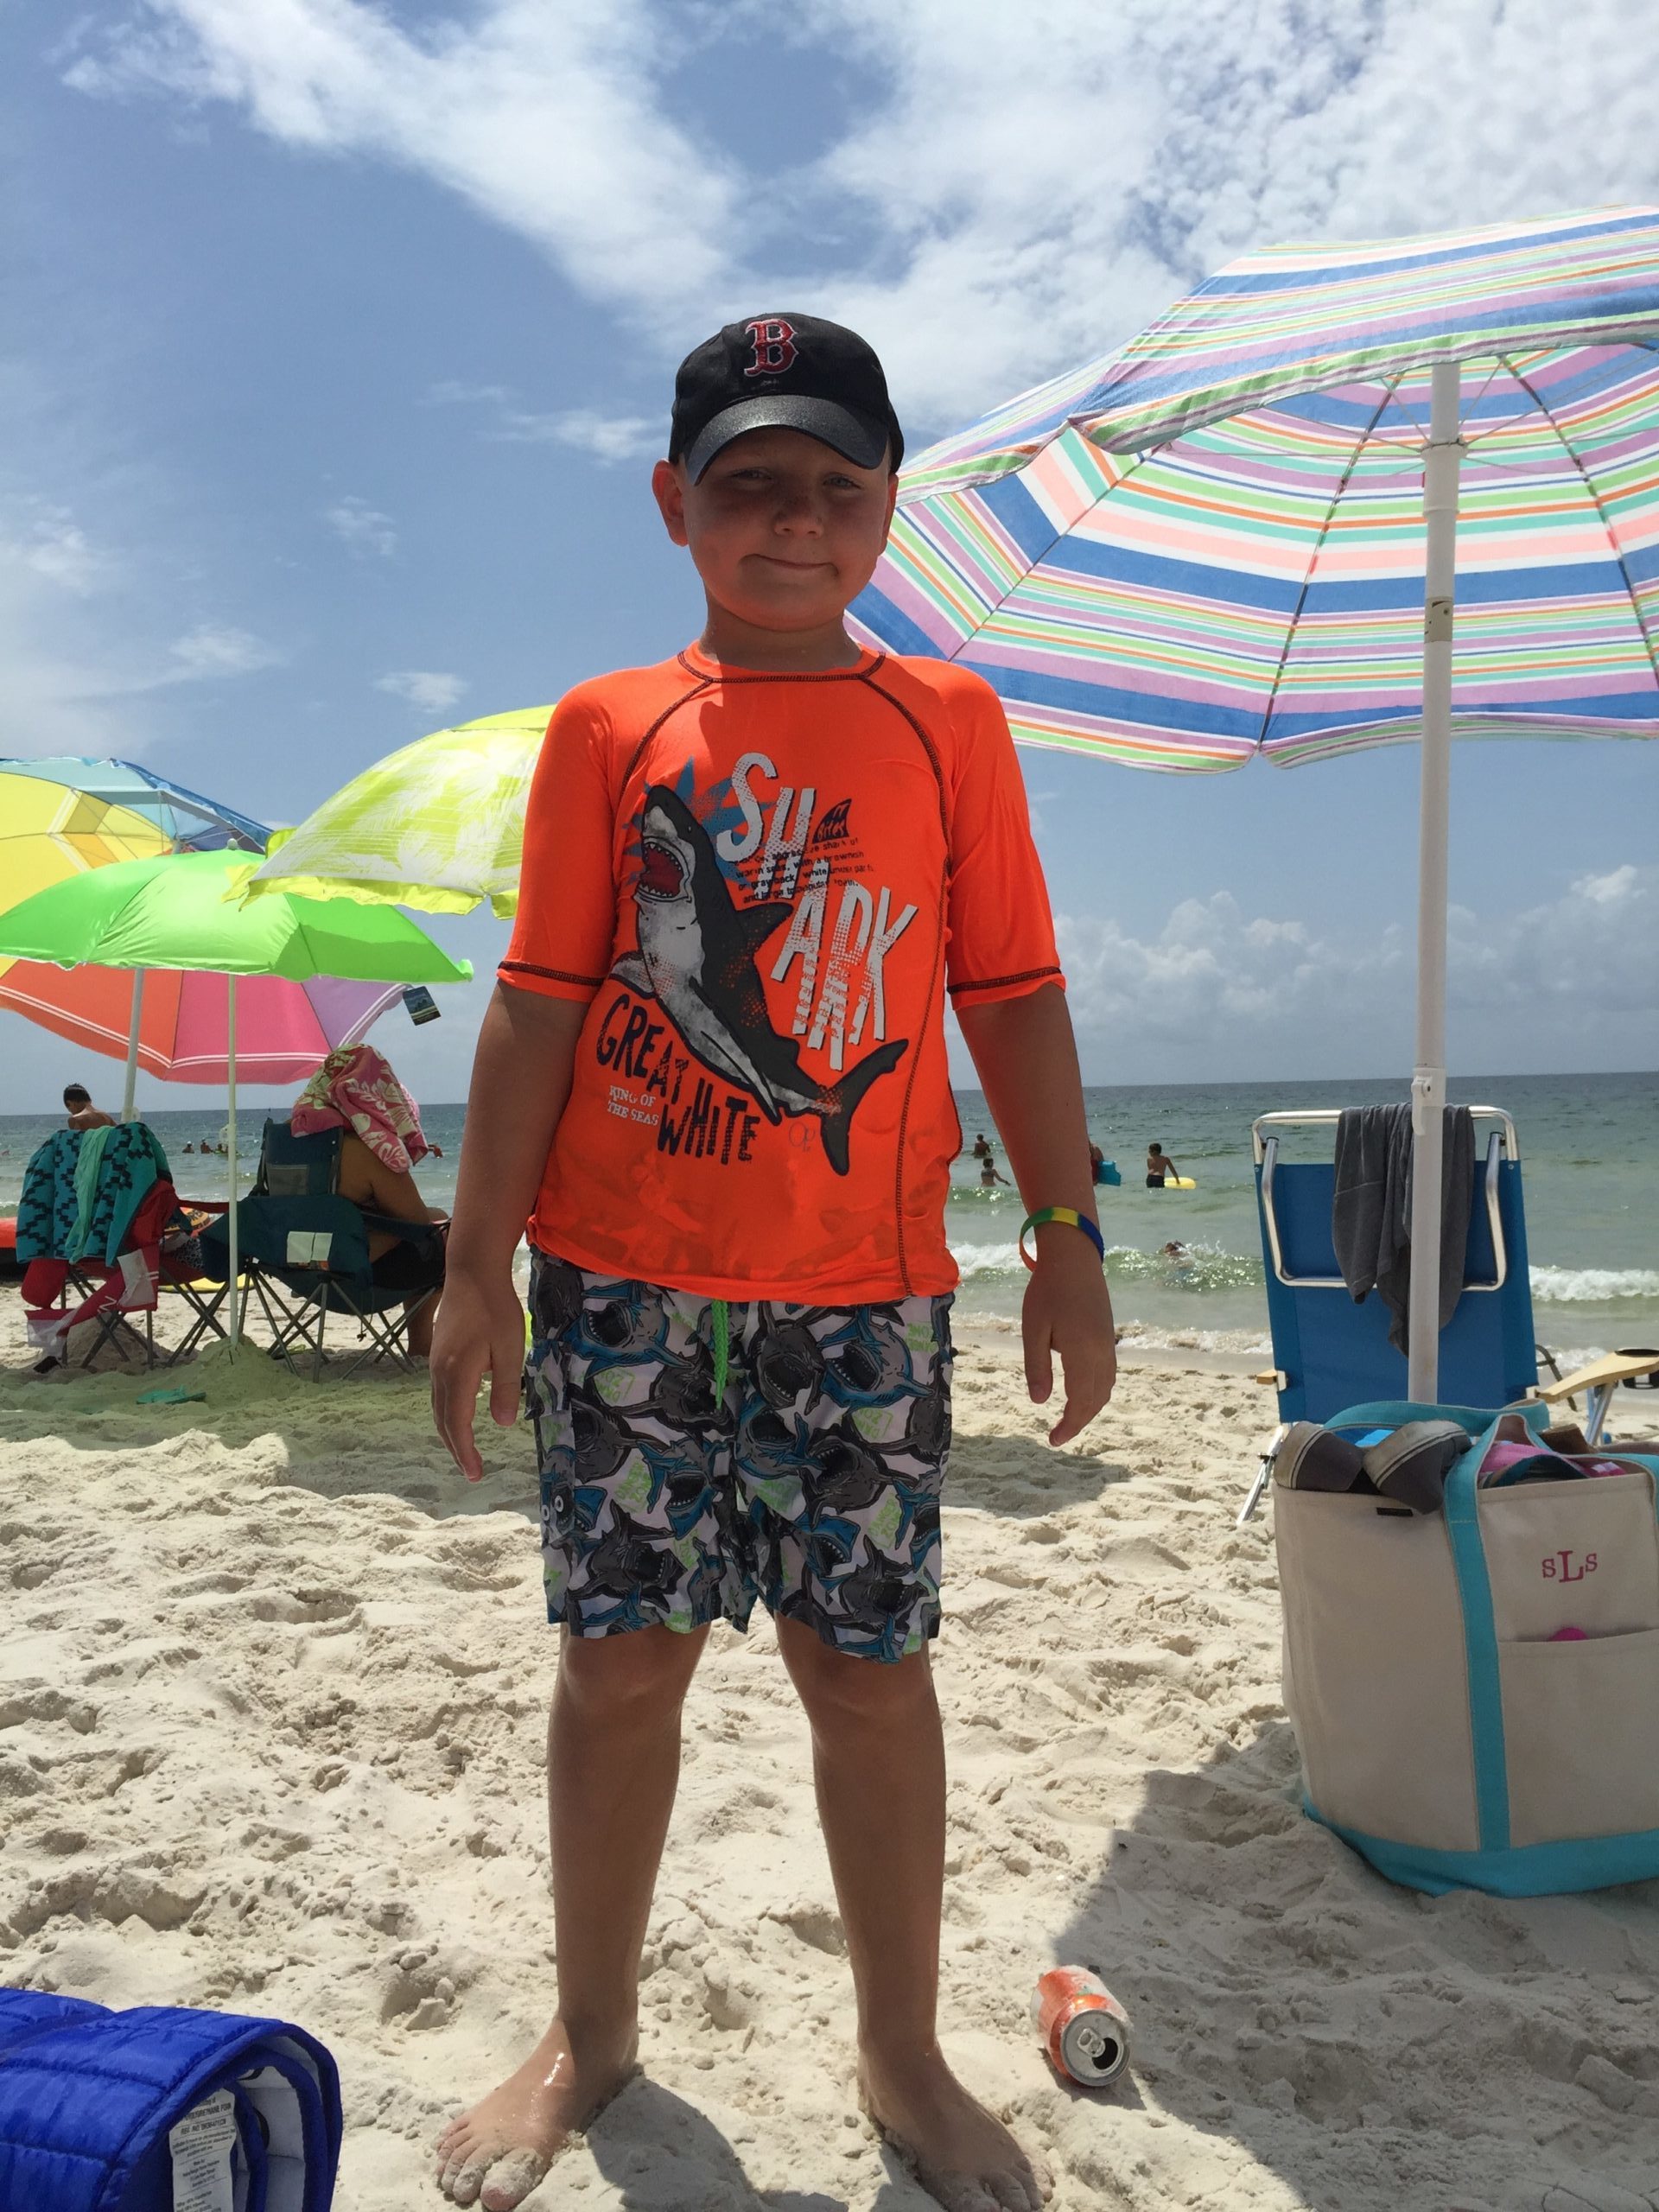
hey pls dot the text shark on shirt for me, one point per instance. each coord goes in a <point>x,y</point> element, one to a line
<point>700,958</point>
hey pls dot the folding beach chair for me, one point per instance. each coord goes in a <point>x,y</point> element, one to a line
<point>1330,1352</point>
<point>176,1275</point>
<point>305,1252</point>
<point>94,1258</point>
<point>1596,1383</point>
<point>110,1322</point>
<point>181,1281</point>
<point>297,1167</point>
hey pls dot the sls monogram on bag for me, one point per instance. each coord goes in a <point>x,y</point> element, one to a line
<point>1566,1572</point>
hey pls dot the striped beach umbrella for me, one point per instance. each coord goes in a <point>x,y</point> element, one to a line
<point>1244,533</point>
<point>173,1024</point>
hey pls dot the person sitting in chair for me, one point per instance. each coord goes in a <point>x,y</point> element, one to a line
<point>355,1090</point>
<point>80,1111</point>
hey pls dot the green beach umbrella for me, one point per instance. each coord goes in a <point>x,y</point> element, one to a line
<point>178,910</point>
<point>439,825</point>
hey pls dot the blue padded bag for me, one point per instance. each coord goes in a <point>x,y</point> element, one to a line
<point>88,2097</point>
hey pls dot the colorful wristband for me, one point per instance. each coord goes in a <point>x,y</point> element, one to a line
<point>1072,1219</point>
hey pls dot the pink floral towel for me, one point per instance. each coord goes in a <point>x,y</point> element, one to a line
<point>355,1089</point>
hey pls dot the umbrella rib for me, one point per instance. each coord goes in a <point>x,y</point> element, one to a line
<point>995,606</point>
<point>1543,407</point>
<point>1360,444</point>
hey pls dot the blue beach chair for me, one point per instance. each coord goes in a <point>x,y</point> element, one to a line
<point>305,1252</point>
<point>1330,1352</point>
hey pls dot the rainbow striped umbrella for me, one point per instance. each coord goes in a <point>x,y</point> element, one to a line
<point>1244,533</point>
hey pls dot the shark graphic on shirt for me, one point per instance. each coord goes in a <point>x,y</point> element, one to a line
<point>696,958</point>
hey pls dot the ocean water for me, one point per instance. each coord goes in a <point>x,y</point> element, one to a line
<point>1590,1164</point>
<point>1589,1157</point>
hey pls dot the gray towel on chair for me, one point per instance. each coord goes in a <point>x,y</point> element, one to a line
<point>1370,1212</point>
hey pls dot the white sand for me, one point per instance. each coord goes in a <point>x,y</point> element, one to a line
<point>271,1695</point>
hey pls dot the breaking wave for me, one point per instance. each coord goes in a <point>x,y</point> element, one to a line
<point>1592,1286</point>
<point>1198,1268</point>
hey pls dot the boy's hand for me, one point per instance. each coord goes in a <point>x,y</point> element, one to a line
<point>1068,1309</point>
<point>480,1330</point>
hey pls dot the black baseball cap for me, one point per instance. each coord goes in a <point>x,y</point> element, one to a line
<point>784,372</point>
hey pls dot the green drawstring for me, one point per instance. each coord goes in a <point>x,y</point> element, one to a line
<point>720,1314</point>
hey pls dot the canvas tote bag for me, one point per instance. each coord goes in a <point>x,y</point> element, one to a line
<point>1443,1733</point>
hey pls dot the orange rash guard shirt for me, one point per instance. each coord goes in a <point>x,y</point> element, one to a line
<point>764,886</point>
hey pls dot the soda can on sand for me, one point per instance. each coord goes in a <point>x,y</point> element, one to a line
<point>1084,2029</point>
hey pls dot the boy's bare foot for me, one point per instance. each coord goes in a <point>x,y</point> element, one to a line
<point>495,2154</point>
<point>959,2153</point>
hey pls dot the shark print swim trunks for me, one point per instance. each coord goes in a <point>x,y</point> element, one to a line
<point>813,1484</point>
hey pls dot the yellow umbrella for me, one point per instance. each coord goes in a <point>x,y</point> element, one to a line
<point>439,825</point>
<point>48,832</point>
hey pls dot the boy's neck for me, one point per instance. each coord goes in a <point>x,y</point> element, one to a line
<point>727,638</point>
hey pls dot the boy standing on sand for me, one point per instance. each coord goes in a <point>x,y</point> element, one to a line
<point>715,1076</point>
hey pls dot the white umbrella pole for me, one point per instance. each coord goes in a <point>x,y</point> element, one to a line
<point>1441,460</point>
<point>236,1257</point>
<point>131,1092</point>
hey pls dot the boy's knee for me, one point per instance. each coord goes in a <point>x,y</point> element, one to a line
<point>845,1688</point>
<point>641,1670</point>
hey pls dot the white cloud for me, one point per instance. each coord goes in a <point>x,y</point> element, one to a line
<point>605,438</point>
<point>50,543</point>
<point>79,646</point>
<point>608,438</point>
<point>1212,970</point>
<point>360,527</point>
<point>1589,957</point>
<point>1216,987</point>
<point>213,650</point>
<point>1030,186</point>
<point>543,117</point>
<point>433,692</point>
<point>51,653</point>
<point>1057,172</point>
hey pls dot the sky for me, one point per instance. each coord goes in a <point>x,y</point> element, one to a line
<point>336,342</point>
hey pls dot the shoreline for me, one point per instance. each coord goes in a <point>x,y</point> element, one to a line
<point>1135,1352</point>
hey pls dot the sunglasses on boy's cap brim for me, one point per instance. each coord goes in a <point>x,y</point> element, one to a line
<point>784,372</point>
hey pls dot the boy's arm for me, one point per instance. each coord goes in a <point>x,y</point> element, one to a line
<point>521,1079</point>
<point>1027,1058</point>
